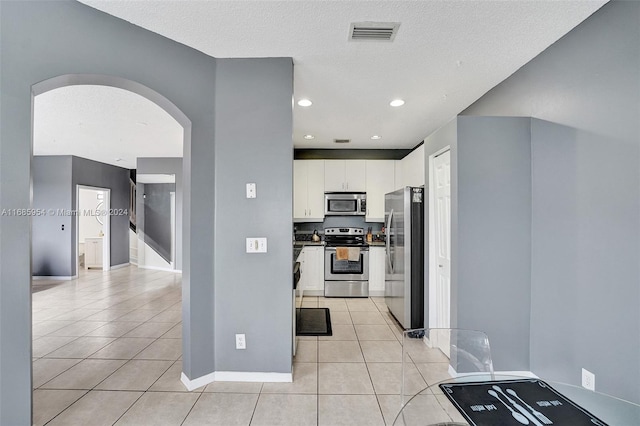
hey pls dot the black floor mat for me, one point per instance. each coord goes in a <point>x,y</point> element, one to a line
<point>313,322</point>
<point>516,402</point>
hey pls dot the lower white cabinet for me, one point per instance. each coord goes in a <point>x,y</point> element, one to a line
<point>92,253</point>
<point>312,270</point>
<point>376,270</point>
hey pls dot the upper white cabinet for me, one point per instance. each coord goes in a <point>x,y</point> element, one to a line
<point>308,190</point>
<point>345,176</point>
<point>380,180</point>
<point>410,170</point>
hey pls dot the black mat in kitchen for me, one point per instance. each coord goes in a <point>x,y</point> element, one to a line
<point>313,322</point>
<point>533,401</point>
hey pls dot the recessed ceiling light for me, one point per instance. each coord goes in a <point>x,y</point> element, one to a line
<point>309,137</point>
<point>376,137</point>
<point>396,102</point>
<point>304,102</point>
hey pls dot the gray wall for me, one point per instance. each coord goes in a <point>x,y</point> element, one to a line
<point>55,179</point>
<point>51,246</point>
<point>92,173</point>
<point>157,217</point>
<point>159,165</point>
<point>494,234</point>
<point>41,50</point>
<point>585,198</point>
<point>253,144</point>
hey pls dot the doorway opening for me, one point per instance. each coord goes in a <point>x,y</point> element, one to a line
<point>156,221</point>
<point>93,228</point>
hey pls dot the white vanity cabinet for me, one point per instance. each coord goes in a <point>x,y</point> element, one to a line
<point>93,252</point>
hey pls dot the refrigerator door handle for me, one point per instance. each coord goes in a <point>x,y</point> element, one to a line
<point>389,242</point>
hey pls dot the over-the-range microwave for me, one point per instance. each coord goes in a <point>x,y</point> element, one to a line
<point>345,203</point>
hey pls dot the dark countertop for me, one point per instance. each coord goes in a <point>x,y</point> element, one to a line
<point>377,244</point>
<point>307,243</point>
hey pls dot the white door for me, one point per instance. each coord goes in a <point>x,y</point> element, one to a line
<point>442,227</point>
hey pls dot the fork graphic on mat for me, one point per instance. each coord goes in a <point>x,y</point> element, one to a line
<point>544,419</point>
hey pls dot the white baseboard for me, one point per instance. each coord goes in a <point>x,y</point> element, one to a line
<point>250,376</point>
<point>122,265</point>
<point>523,373</point>
<point>235,376</point>
<point>156,268</point>
<point>54,277</point>
<point>312,293</point>
<point>500,374</point>
<point>197,383</point>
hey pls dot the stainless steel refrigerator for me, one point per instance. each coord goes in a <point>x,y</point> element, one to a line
<point>404,270</point>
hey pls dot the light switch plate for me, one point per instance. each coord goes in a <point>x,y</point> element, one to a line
<point>251,190</point>
<point>256,245</point>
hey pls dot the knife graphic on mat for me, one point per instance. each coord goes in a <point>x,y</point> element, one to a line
<point>518,407</point>
<point>544,419</point>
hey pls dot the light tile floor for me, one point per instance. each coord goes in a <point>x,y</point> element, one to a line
<point>107,349</point>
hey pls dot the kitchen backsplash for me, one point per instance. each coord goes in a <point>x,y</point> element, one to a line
<point>337,221</point>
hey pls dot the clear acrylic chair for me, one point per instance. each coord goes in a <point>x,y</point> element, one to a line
<point>467,352</point>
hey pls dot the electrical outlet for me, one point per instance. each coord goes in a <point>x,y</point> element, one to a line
<point>256,245</point>
<point>588,380</point>
<point>251,190</point>
<point>241,342</point>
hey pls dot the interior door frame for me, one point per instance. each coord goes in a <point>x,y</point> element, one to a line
<point>433,314</point>
<point>106,226</point>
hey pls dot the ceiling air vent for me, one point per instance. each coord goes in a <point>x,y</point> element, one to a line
<point>342,140</point>
<point>373,31</point>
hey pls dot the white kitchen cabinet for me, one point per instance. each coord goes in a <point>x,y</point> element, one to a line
<point>92,253</point>
<point>410,170</point>
<point>376,270</point>
<point>308,190</point>
<point>312,270</point>
<point>380,180</point>
<point>345,175</point>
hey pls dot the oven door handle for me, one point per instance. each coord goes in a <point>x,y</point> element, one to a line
<point>327,248</point>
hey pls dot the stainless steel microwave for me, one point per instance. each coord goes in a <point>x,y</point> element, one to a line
<point>345,203</point>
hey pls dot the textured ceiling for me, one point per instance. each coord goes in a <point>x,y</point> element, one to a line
<point>105,124</point>
<point>445,56</point>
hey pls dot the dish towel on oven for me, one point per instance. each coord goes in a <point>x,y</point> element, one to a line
<point>342,253</point>
<point>354,254</point>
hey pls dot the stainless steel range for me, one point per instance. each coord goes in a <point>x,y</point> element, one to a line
<point>346,263</point>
